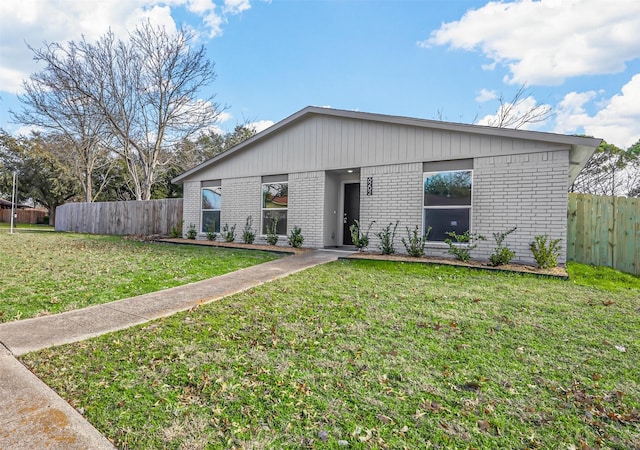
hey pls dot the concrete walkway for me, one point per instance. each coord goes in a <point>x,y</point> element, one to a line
<point>34,416</point>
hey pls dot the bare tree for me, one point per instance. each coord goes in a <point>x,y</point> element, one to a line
<point>610,171</point>
<point>144,90</point>
<point>516,112</point>
<point>50,103</point>
<point>632,184</point>
<point>91,165</point>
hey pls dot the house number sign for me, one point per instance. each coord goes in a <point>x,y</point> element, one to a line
<point>369,185</point>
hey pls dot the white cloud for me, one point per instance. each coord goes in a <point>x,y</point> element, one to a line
<point>26,130</point>
<point>224,116</point>
<point>201,6</point>
<point>38,21</point>
<point>547,41</point>
<point>261,125</point>
<point>214,24</point>
<point>212,129</point>
<point>617,122</point>
<point>236,6</point>
<point>571,114</point>
<point>485,95</point>
<point>521,107</point>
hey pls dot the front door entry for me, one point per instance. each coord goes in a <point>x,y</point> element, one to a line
<point>351,210</point>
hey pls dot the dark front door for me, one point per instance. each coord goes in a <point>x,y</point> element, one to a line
<point>351,210</point>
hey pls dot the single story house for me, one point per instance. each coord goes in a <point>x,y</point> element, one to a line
<point>22,213</point>
<point>5,204</point>
<point>320,169</point>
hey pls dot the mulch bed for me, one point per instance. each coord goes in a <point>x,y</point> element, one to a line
<point>266,248</point>
<point>555,272</point>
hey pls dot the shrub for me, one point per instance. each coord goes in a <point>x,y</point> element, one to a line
<point>272,233</point>
<point>295,238</point>
<point>502,254</point>
<point>545,251</point>
<point>211,232</point>
<point>359,239</point>
<point>176,230</point>
<point>229,234</point>
<point>463,244</point>
<point>191,232</point>
<point>248,235</point>
<point>387,237</point>
<point>414,244</point>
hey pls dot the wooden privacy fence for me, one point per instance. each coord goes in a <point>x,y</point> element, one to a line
<point>24,215</point>
<point>604,231</point>
<point>122,218</point>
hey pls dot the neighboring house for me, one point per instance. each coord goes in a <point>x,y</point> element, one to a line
<point>23,213</point>
<point>320,169</point>
<point>5,204</point>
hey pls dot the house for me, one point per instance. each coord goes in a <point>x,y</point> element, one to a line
<point>22,213</point>
<point>320,169</point>
<point>5,204</point>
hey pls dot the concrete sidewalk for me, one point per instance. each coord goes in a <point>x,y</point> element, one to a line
<point>33,416</point>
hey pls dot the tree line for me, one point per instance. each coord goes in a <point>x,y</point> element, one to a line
<point>49,174</point>
<point>611,171</point>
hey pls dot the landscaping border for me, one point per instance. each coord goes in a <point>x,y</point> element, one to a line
<point>281,250</point>
<point>558,272</point>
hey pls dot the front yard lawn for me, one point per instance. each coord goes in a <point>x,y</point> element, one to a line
<point>45,273</point>
<point>370,354</point>
<point>21,227</point>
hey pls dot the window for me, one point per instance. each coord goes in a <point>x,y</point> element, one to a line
<point>275,200</point>
<point>211,200</point>
<point>447,203</point>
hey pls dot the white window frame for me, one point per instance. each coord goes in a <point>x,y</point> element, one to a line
<point>425,175</point>
<point>263,208</point>
<point>203,210</point>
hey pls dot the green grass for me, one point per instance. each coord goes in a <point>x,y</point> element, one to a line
<point>25,227</point>
<point>45,273</point>
<point>375,354</point>
<point>603,277</point>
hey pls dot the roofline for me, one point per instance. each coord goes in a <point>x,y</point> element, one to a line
<point>574,141</point>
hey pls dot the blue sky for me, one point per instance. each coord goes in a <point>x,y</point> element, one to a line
<point>432,59</point>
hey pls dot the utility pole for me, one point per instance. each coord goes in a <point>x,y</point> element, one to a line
<point>13,199</point>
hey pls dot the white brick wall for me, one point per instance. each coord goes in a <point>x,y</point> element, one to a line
<point>306,206</point>
<point>241,198</point>
<point>191,212</point>
<point>528,191</point>
<point>396,195</point>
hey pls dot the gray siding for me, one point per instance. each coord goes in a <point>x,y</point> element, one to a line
<point>327,143</point>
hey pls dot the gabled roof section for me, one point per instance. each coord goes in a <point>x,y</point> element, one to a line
<point>6,204</point>
<point>581,147</point>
